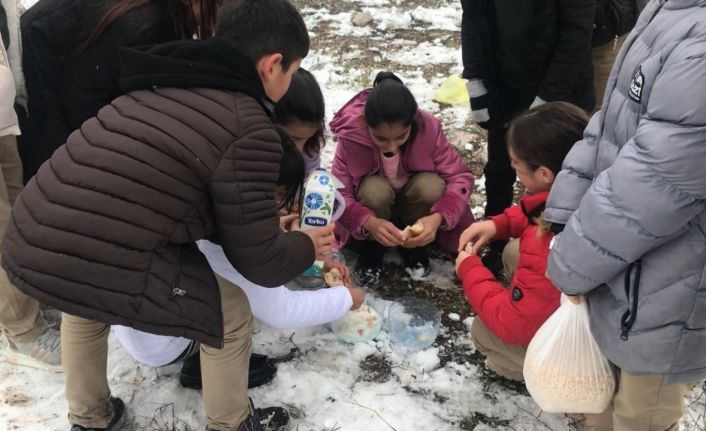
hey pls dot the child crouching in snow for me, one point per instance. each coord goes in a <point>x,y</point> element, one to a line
<point>507,318</point>
<point>398,169</point>
<point>279,307</point>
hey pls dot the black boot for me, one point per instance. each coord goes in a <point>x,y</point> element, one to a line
<point>115,423</point>
<point>261,370</point>
<point>369,267</point>
<point>267,419</point>
<point>416,261</point>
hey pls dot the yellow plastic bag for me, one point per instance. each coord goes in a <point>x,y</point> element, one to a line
<point>452,91</point>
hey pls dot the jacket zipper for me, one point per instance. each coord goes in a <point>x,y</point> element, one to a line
<point>632,290</point>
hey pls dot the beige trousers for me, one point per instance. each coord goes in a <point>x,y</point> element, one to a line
<point>84,345</point>
<point>20,316</point>
<point>412,203</point>
<point>603,58</point>
<point>643,402</point>
<point>505,359</point>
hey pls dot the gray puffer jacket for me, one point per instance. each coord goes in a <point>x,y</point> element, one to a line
<point>633,196</point>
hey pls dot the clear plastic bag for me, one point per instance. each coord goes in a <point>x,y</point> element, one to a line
<point>564,370</point>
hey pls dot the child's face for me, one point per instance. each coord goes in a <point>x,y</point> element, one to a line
<point>300,132</point>
<point>390,137</point>
<point>538,180</point>
<point>275,79</point>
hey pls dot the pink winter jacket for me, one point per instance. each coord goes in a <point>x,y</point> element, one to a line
<point>357,157</point>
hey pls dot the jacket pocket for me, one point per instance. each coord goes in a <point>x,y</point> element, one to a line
<point>176,285</point>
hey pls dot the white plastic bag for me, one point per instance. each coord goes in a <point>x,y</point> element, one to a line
<point>564,370</point>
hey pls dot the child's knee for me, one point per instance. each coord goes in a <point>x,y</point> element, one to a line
<point>376,193</point>
<point>425,188</point>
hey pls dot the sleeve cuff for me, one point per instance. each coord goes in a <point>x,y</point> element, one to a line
<point>467,265</point>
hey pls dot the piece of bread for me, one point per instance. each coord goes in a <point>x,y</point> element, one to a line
<point>414,230</point>
<point>333,277</point>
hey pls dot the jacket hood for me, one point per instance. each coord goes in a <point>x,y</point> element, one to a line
<point>211,63</point>
<point>349,122</point>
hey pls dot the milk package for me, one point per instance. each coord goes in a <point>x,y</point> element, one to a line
<point>321,204</point>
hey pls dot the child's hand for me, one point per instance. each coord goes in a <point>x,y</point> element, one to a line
<point>384,232</point>
<point>286,221</point>
<point>342,269</point>
<point>358,296</point>
<point>576,299</point>
<point>462,255</point>
<point>322,237</point>
<point>479,233</point>
<point>431,225</point>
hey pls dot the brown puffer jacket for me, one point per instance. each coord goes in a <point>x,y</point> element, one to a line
<point>106,229</point>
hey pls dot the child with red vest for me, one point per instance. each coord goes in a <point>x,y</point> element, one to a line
<point>508,317</point>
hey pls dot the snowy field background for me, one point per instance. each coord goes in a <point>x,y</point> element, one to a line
<point>326,384</point>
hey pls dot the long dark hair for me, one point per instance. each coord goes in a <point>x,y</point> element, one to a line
<point>291,171</point>
<point>304,102</point>
<point>544,135</point>
<point>391,102</point>
<point>181,15</point>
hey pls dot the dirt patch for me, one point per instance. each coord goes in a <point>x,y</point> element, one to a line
<point>14,397</point>
<point>375,368</point>
<point>470,422</point>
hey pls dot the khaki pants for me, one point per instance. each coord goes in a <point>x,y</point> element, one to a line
<point>603,58</point>
<point>20,317</point>
<point>84,345</point>
<point>505,359</point>
<point>643,402</point>
<point>412,203</point>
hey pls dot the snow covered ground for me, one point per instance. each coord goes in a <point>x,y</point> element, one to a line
<point>329,385</point>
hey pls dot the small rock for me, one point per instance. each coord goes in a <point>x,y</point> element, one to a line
<point>361,19</point>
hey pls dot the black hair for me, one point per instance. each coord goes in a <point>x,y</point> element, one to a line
<point>262,27</point>
<point>391,102</point>
<point>544,135</point>
<point>304,102</point>
<point>291,171</point>
<point>181,15</point>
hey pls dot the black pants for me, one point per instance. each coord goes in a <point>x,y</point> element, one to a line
<point>499,175</point>
<point>506,103</point>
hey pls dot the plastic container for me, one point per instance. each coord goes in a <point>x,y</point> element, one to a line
<point>358,326</point>
<point>307,281</point>
<point>413,323</point>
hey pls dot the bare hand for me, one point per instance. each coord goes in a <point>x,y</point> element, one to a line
<point>576,299</point>
<point>462,255</point>
<point>431,225</point>
<point>384,232</point>
<point>285,221</point>
<point>479,233</point>
<point>322,237</point>
<point>358,296</point>
<point>342,269</point>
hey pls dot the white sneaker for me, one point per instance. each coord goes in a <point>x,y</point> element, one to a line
<point>44,352</point>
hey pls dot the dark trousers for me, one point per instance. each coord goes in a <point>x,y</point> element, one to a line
<point>499,175</point>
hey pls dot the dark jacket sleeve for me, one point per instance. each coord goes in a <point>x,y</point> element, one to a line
<point>573,49</point>
<point>4,31</point>
<point>48,29</point>
<point>247,223</point>
<point>474,37</point>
